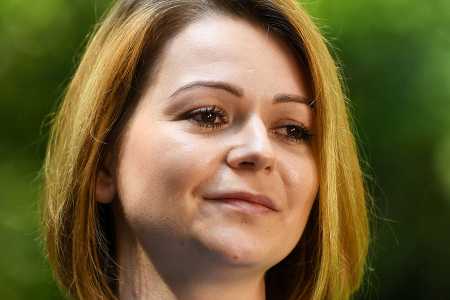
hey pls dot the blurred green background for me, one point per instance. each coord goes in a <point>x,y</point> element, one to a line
<point>395,55</point>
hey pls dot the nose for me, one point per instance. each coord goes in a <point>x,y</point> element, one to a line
<point>254,149</point>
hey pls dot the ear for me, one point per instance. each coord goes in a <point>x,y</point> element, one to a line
<point>105,186</point>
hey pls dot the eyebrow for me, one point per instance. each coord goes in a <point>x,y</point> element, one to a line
<point>283,98</point>
<point>239,92</point>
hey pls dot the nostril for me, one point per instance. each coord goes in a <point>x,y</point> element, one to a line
<point>249,158</point>
<point>247,163</point>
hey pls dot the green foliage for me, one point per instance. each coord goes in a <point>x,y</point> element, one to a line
<point>396,63</point>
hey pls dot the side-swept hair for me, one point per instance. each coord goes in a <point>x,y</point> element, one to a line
<point>329,260</point>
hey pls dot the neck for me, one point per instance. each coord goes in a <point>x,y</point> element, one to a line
<point>169,276</point>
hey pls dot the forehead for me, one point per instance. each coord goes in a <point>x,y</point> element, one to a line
<point>224,48</point>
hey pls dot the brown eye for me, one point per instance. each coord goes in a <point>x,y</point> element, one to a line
<point>206,117</point>
<point>296,133</point>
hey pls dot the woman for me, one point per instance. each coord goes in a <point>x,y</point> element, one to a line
<point>203,151</point>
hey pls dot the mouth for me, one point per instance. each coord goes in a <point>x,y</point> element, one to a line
<point>244,202</point>
<point>243,206</point>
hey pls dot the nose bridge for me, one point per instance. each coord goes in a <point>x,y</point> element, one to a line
<point>252,146</point>
<point>255,134</point>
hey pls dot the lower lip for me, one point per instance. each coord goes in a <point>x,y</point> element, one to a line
<point>243,206</point>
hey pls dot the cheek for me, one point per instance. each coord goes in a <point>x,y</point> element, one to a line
<point>158,165</point>
<point>302,182</point>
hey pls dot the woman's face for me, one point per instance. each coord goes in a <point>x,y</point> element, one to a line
<point>224,113</point>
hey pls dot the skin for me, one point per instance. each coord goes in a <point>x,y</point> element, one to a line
<point>172,242</point>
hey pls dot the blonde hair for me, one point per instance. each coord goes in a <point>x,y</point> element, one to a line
<point>328,262</point>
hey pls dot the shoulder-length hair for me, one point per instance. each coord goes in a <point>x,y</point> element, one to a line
<point>329,260</point>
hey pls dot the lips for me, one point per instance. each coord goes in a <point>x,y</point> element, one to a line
<point>252,198</point>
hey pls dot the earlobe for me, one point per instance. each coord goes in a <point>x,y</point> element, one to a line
<point>105,187</point>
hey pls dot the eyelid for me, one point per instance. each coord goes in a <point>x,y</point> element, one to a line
<point>202,107</point>
<point>189,101</point>
<point>289,121</point>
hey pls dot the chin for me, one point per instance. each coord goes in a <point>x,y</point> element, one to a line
<point>238,248</point>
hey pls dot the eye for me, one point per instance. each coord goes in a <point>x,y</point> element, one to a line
<point>206,116</point>
<point>296,133</point>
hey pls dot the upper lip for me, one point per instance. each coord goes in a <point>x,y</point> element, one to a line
<point>245,196</point>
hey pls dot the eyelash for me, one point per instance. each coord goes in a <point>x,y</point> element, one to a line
<point>305,134</point>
